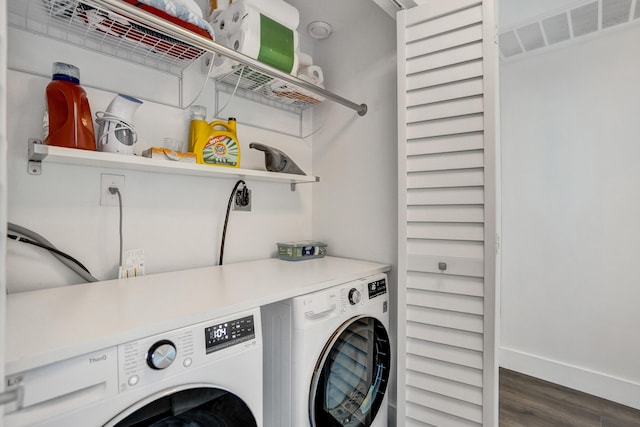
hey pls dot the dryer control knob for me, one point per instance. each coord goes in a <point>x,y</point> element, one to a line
<point>354,296</point>
<point>161,355</point>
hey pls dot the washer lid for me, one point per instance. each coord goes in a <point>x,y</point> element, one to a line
<point>351,376</point>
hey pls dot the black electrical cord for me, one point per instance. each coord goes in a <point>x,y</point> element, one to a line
<point>226,219</point>
<point>49,248</point>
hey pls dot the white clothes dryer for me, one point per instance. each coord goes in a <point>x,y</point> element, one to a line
<point>338,371</point>
<point>202,375</point>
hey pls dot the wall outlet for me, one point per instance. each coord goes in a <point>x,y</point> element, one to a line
<point>242,200</point>
<point>109,180</point>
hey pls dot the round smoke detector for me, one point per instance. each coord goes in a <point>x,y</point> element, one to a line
<point>319,30</point>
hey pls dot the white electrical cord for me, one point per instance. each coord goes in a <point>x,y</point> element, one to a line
<point>104,118</point>
<point>204,83</point>
<point>233,93</point>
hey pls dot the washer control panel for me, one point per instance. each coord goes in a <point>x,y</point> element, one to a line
<point>156,357</point>
<point>226,334</point>
<point>377,287</point>
<point>360,293</point>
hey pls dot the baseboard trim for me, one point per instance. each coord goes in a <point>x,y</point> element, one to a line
<point>595,383</point>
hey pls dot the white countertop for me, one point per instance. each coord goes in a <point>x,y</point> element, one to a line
<point>50,325</point>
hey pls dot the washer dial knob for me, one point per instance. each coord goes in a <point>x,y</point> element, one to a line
<point>354,296</point>
<point>161,355</point>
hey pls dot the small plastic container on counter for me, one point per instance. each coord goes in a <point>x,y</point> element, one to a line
<point>304,249</point>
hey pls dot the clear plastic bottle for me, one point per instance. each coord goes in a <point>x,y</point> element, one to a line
<point>198,127</point>
<point>69,115</point>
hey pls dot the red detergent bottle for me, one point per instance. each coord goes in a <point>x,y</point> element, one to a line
<point>70,120</point>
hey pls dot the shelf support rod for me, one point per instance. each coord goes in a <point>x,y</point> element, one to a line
<point>173,30</point>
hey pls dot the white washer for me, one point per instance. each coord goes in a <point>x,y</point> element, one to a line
<point>207,374</point>
<point>340,357</point>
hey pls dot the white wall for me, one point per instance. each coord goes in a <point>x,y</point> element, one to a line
<point>177,220</point>
<point>355,202</point>
<point>570,230</point>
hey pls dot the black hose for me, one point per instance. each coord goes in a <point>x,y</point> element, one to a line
<point>49,248</point>
<point>32,235</point>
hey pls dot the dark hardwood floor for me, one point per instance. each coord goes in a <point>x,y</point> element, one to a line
<point>530,402</point>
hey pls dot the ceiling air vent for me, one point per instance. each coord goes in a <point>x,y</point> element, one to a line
<point>556,28</point>
<point>615,12</point>
<point>586,17</point>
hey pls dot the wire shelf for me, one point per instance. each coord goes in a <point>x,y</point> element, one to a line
<point>171,48</point>
<point>84,24</point>
<point>249,81</point>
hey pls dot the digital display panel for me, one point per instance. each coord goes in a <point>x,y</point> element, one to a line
<point>377,287</point>
<point>223,335</point>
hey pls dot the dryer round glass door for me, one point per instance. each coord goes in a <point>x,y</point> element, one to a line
<point>350,379</point>
<point>192,407</point>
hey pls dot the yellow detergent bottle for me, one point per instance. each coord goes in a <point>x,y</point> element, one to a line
<point>217,143</point>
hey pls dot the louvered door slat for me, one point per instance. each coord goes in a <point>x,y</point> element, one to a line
<point>448,336</point>
<point>445,213</point>
<point>426,79</point>
<point>426,46</point>
<point>446,301</point>
<point>455,355</point>
<point>446,222</point>
<point>457,14</point>
<point>446,161</point>
<point>457,107</point>
<point>458,408</point>
<point>445,178</point>
<point>446,318</point>
<point>425,367</point>
<point>445,58</point>
<point>445,144</point>
<point>421,416</point>
<point>472,286</point>
<point>455,231</point>
<point>462,249</point>
<point>446,196</point>
<point>448,388</point>
<point>456,90</point>
<point>448,126</point>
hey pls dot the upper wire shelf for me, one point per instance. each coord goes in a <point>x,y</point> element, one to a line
<point>84,24</point>
<point>118,29</point>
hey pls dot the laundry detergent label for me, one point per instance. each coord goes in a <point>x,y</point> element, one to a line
<point>221,150</point>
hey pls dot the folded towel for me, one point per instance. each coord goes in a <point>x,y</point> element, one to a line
<point>186,10</point>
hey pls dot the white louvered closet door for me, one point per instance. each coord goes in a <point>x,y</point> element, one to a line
<point>447,61</point>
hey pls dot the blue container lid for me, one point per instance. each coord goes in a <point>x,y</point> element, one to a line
<point>66,72</point>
